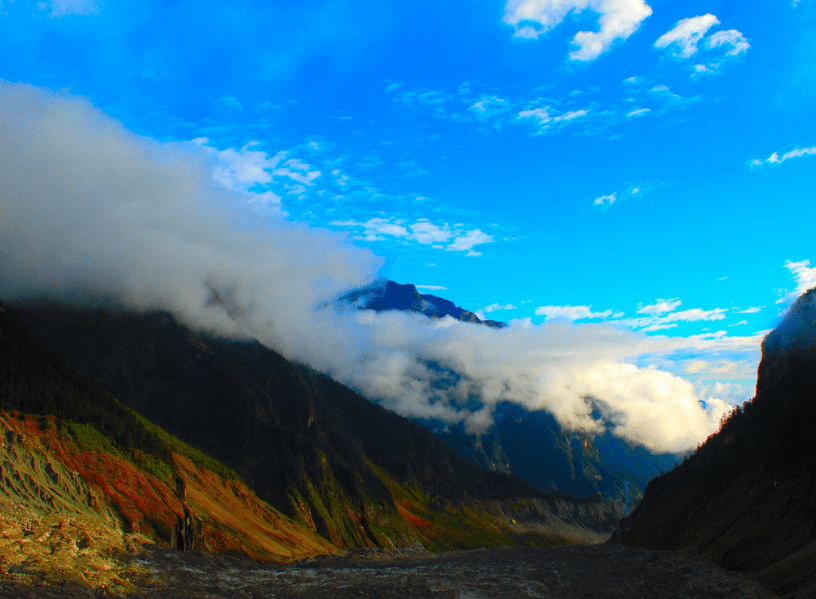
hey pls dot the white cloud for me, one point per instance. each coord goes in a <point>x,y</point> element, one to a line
<point>689,34</point>
<point>661,315</point>
<point>775,159</point>
<point>93,212</point>
<point>805,279</point>
<point>695,315</point>
<point>494,307</point>
<point>375,229</point>
<point>247,168</point>
<point>661,306</point>
<point>61,8</point>
<point>751,310</point>
<point>686,34</point>
<point>467,240</point>
<point>427,232</point>
<point>544,120</point>
<point>491,109</point>
<point>571,313</point>
<point>740,323</point>
<point>618,19</point>
<point>431,287</point>
<point>638,112</point>
<point>607,200</point>
<point>422,231</point>
<point>733,38</point>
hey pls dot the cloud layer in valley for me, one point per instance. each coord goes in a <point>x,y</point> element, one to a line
<point>91,212</point>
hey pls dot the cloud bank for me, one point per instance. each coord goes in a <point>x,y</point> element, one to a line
<point>617,20</point>
<point>90,212</point>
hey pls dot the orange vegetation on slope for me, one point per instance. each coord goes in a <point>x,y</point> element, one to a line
<point>230,517</point>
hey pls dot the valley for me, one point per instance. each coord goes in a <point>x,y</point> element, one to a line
<point>297,469</point>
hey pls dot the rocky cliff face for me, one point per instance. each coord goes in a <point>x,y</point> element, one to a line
<point>745,500</point>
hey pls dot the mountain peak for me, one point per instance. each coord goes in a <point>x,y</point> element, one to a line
<point>383,295</point>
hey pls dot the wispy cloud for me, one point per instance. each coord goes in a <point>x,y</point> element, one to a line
<point>684,37</point>
<point>775,159</point>
<point>687,36</point>
<point>453,238</point>
<point>497,306</point>
<point>581,111</point>
<point>571,313</point>
<point>545,118</point>
<point>805,277</point>
<point>61,8</point>
<point>660,306</point>
<point>605,201</point>
<point>616,21</point>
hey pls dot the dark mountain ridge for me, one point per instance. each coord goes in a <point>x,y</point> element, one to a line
<point>383,295</point>
<point>746,499</point>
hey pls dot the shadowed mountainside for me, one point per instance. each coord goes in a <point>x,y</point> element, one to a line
<point>350,470</point>
<point>534,447</point>
<point>84,479</point>
<point>746,499</point>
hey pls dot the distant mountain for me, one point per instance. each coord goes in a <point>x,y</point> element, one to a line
<point>535,448</point>
<point>321,454</point>
<point>746,499</point>
<point>383,295</point>
<point>529,445</point>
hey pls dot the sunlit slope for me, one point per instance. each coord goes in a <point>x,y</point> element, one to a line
<point>746,499</point>
<point>313,448</point>
<point>80,456</point>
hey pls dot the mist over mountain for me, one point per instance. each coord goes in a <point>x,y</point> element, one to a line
<point>95,215</point>
<point>746,498</point>
<point>531,445</point>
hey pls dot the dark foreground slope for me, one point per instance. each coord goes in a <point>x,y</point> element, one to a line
<point>352,471</point>
<point>85,481</point>
<point>746,500</point>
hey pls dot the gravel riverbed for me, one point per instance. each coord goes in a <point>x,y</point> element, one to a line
<point>605,571</point>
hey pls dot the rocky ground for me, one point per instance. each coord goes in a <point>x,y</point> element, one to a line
<point>579,572</point>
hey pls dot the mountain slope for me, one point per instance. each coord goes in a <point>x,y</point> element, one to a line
<point>746,499</point>
<point>84,479</point>
<point>311,447</point>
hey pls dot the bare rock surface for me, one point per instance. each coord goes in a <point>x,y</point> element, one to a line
<point>603,571</point>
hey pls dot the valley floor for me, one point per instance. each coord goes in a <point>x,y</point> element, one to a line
<point>605,571</point>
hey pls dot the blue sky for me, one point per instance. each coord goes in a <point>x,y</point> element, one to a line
<point>650,165</point>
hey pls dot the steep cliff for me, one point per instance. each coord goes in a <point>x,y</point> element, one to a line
<point>746,499</point>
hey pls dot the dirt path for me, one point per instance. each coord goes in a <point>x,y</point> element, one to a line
<point>575,572</point>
